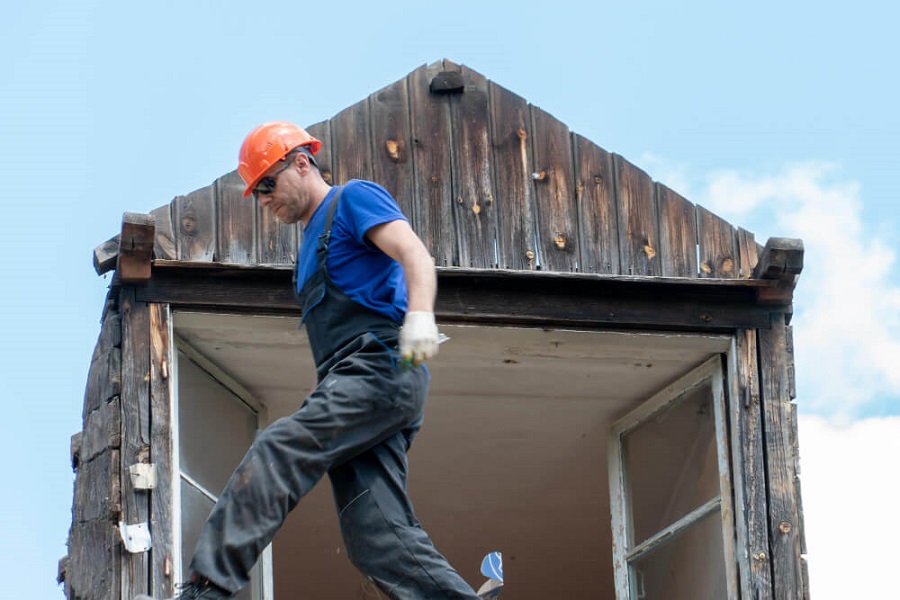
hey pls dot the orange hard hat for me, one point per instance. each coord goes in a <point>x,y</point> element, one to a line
<point>266,145</point>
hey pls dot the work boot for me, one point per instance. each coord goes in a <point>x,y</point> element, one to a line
<point>198,588</point>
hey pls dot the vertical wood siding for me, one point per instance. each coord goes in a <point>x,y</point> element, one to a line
<point>487,181</point>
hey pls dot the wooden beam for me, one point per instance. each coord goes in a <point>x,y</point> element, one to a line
<point>136,247</point>
<point>781,260</point>
<point>497,296</point>
<point>784,521</point>
<point>749,469</point>
<point>135,427</point>
<point>106,255</point>
<point>162,524</point>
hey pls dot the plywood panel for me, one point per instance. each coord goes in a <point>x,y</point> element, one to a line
<point>392,164</point>
<point>513,190</point>
<point>554,193</point>
<point>433,212</point>
<point>596,208</point>
<point>677,234</point>
<point>638,225</point>
<point>473,195</point>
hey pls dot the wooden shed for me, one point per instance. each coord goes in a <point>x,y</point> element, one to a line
<point>613,412</point>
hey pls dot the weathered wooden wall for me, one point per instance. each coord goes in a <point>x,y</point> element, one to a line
<point>92,568</point>
<point>126,421</point>
<point>487,180</point>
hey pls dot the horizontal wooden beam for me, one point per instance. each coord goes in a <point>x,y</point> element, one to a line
<point>494,296</point>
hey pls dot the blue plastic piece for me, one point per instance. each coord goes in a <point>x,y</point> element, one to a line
<point>492,566</point>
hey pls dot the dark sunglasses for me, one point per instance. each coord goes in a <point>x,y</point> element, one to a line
<point>266,185</point>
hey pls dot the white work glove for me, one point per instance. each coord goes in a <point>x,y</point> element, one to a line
<point>418,336</point>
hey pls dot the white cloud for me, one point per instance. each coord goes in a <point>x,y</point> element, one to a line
<point>847,319</point>
<point>851,491</point>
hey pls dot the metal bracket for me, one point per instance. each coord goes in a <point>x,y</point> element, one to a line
<point>143,476</point>
<point>136,537</point>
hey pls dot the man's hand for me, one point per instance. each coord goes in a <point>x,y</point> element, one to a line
<point>418,336</point>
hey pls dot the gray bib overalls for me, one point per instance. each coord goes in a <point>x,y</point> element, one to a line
<point>356,426</point>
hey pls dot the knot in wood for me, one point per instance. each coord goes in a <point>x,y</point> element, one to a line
<point>188,224</point>
<point>784,527</point>
<point>393,149</point>
<point>539,175</point>
<point>476,209</point>
<point>761,556</point>
<point>704,266</point>
<point>435,180</point>
<point>649,250</point>
<point>326,175</point>
<point>727,265</point>
<point>520,132</point>
<point>560,241</point>
<point>598,179</point>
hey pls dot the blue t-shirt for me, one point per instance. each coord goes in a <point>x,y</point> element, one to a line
<point>362,271</point>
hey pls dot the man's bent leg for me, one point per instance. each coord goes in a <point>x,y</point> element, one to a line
<point>383,537</point>
<point>355,407</point>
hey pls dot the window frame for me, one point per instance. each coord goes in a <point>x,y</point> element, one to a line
<point>625,551</point>
<point>266,590</point>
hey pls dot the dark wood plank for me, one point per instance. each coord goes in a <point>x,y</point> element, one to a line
<point>433,210</point>
<point>473,195</point>
<point>101,431</point>
<point>554,193</point>
<point>164,244</point>
<point>93,571</point>
<point>747,254</point>
<point>748,470</point>
<point>235,221</point>
<point>195,221</point>
<point>162,524</point>
<point>106,255</point>
<point>784,523</point>
<point>135,247</point>
<point>350,144</point>
<point>595,193</point>
<point>135,446</point>
<point>638,224</point>
<point>392,164</point>
<point>497,297</point>
<point>513,191</point>
<point>677,234</point>
<point>717,240</point>
<point>104,380</point>
<point>97,489</point>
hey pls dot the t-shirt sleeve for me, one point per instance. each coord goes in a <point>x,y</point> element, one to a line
<point>366,204</point>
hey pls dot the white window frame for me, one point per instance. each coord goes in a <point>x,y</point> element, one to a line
<point>624,549</point>
<point>179,478</point>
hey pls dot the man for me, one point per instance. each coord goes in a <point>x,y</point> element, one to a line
<point>361,271</point>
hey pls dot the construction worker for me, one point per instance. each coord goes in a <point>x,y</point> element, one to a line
<point>361,272</point>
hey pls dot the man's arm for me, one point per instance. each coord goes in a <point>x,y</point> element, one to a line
<point>418,338</point>
<point>400,242</point>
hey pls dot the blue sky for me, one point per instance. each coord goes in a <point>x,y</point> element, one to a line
<point>781,117</point>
